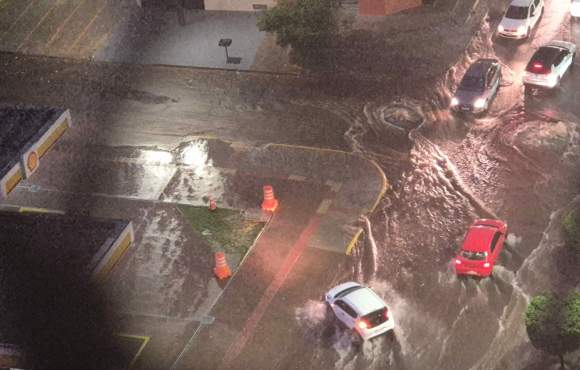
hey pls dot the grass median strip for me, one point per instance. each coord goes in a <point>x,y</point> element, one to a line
<point>223,229</point>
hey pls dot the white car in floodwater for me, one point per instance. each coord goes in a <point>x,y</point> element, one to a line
<point>549,64</point>
<point>575,9</point>
<point>360,309</point>
<point>520,18</point>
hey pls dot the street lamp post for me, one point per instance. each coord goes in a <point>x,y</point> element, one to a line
<point>225,43</point>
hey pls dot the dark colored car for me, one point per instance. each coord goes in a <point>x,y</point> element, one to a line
<point>478,87</point>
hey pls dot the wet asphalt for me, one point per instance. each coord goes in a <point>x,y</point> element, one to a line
<point>452,170</point>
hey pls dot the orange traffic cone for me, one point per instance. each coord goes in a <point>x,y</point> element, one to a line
<point>221,270</point>
<point>270,203</point>
<point>212,205</point>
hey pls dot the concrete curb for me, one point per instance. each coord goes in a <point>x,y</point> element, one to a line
<point>385,186</point>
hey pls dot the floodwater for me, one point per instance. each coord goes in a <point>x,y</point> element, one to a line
<point>518,163</point>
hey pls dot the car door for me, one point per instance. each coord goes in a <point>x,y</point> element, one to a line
<point>494,80</point>
<point>345,313</point>
<point>536,12</point>
<point>531,15</point>
<point>568,60</point>
<point>496,245</point>
<point>559,66</point>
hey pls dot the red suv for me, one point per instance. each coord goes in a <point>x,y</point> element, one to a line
<point>481,248</point>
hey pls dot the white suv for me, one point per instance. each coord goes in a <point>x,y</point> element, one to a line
<point>520,18</point>
<point>360,309</point>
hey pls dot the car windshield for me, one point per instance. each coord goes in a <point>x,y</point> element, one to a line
<point>475,256</point>
<point>348,290</point>
<point>472,83</point>
<point>517,12</point>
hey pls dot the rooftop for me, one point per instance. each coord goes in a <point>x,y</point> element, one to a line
<point>19,125</point>
<point>41,250</point>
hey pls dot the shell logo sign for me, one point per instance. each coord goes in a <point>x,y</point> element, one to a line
<point>32,161</point>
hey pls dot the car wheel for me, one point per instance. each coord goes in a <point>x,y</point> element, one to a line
<point>329,313</point>
<point>356,339</point>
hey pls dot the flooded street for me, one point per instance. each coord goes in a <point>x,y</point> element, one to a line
<point>520,164</point>
<point>152,138</point>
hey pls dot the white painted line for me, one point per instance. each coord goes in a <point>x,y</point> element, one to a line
<point>334,186</point>
<point>207,320</point>
<point>296,178</point>
<point>240,146</point>
<point>323,207</point>
<point>228,171</point>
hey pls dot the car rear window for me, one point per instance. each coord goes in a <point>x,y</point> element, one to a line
<point>544,56</point>
<point>348,290</point>
<point>472,83</point>
<point>376,318</point>
<point>474,256</point>
<point>517,12</point>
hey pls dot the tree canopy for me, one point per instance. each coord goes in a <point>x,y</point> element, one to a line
<point>553,325</point>
<point>571,224</point>
<point>305,25</point>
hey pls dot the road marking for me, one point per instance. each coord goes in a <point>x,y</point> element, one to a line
<point>145,339</point>
<point>37,25</point>
<point>296,178</point>
<point>227,171</point>
<point>353,241</point>
<point>17,19</point>
<point>323,207</point>
<point>61,27</point>
<point>88,26</point>
<point>236,348</point>
<point>334,185</point>
<point>239,146</point>
<point>204,320</point>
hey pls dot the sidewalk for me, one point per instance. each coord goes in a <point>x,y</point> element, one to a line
<point>121,31</point>
<point>164,288</point>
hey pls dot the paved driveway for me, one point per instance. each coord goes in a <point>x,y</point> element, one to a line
<point>160,39</point>
<point>121,31</point>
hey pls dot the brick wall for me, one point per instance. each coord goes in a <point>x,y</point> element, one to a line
<point>393,6</point>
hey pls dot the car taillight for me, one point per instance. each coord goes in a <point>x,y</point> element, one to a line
<point>362,324</point>
<point>486,264</point>
<point>538,68</point>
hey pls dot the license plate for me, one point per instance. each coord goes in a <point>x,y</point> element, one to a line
<point>466,109</point>
<point>472,273</point>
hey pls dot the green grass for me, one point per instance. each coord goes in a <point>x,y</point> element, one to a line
<point>223,229</point>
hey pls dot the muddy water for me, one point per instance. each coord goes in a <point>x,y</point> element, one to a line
<point>447,171</point>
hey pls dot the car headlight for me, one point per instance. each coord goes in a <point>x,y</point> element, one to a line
<point>458,262</point>
<point>454,102</point>
<point>521,30</point>
<point>486,265</point>
<point>500,28</point>
<point>479,103</point>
